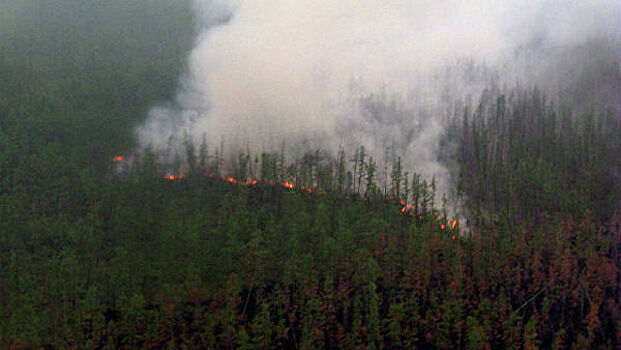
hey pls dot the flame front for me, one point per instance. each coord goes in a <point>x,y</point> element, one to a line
<point>407,208</point>
<point>173,177</point>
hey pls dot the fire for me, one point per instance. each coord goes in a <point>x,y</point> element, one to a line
<point>173,177</point>
<point>405,207</point>
<point>118,159</point>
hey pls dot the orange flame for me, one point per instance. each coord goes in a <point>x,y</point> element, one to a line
<point>118,159</point>
<point>454,237</point>
<point>172,177</point>
<point>406,208</point>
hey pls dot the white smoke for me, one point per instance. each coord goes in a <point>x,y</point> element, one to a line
<point>368,72</point>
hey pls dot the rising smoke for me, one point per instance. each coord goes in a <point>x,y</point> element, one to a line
<point>378,73</point>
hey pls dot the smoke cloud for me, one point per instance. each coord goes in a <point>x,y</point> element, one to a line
<point>326,73</point>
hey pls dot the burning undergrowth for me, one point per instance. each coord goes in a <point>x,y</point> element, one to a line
<point>416,202</point>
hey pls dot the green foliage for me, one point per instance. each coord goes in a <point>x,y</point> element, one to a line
<point>104,256</point>
<point>520,161</point>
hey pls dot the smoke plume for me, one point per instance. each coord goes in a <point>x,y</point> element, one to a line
<point>378,73</point>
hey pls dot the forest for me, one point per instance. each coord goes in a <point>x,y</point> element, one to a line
<point>104,247</point>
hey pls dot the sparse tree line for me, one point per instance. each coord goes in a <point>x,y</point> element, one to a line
<point>522,156</point>
<point>319,170</point>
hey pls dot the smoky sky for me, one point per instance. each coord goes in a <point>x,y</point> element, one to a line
<point>363,72</point>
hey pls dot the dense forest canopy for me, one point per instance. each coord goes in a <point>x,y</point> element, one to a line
<point>107,243</point>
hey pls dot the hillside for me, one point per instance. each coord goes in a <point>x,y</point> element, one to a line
<point>105,244</point>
